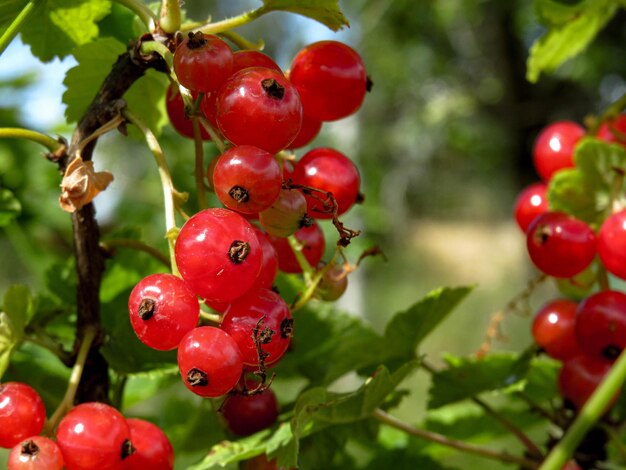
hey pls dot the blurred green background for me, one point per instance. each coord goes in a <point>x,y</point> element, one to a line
<point>443,143</point>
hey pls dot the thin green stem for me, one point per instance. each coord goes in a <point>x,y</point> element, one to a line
<point>217,139</point>
<point>50,143</point>
<point>241,42</point>
<point>136,245</point>
<point>44,341</point>
<point>118,391</point>
<point>142,11</point>
<point>234,22</point>
<point>211,317</point>
<point>296,247</point>
<point>148,47</point>
<point>170,16</point>
<point>590,413</point>
<point>77,371</point>
<point>166,184</point>
<point>616,440</point>
<point>17,23</point>
<point>199,163</point>
<point>462,446</point>
<point>311,286</point>
<point>603,278</point>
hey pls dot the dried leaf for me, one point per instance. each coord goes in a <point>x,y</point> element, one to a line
<point>81,183</point>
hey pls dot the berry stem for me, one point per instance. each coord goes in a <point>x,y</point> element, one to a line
<point>142,11</point>
<point>311,286</point>
<point>135,245</point>
<point>296,247</point>
<point>590,413</point>
<point>17,23</point>
<point>53,145</point>
<point>166,183</point>
<point>603,279</point>
<point>243,43</point>
<point>149,47</point>
<point>462,446</point>
<point>199,163</point>
<point>170,16</point>
<point>234,22</point>
<point>70,393</point>
<point>214,318</point>
<point>216,137</point>
<point>41,339</point>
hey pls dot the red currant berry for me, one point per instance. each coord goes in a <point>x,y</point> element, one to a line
<point>22,413</point>
<point>313,244</point>
<point>554,147</point>
<point>530,203</point>
<point>153,449</point>
<point>246,415</point>
<point>94,435</point>
<point>258,106</point>
<point>601,324</point>
<point>247,179</point>
<point>209,361</point>
<point>250,58</point>
<point>331,79</point>
<point>218,254</point>
<point>207,108</point>
<point>309,130</point>
<point>560,245</point>
<point>553,329</point>
<point>35,453</point>
<point>162,310</point>
<point>269,263</point>
<point>612,244</point>
<point>332,172</point>
<point>580,376</point>
<point>613,130</point>
<point>203,62</point>
<point>275,330</point>
<point>333,284</point>
<point>286,215</point>
<point>175,107</point>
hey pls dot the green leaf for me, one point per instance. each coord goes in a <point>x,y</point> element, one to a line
<point>9,10</point>
<point>587,191</point>
<point>10,207</point>
<point>82,81</point>
<point>406,330</point>
<point>7,342</point>
<point>19,307</point>
<point>557,12</point>
<point>326,12</point>
<point>58,26</point>
<point>404,459</point>
<point>146,99</point>
<point>468,377</point>
<point>568,39</point>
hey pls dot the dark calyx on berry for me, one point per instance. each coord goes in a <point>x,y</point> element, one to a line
<point>273,88</point>
<point>147,308</point>
<point>196,40</point>
<point>542,234</point>
<point>369,84</point>
<point>286,328</point>
<point>127,449</point>
<point>306,221</point>
<point>30,448</point>
<point>611,352</point>
<point>239,194</point>
<point>197,378</point>
<point>238,251</point>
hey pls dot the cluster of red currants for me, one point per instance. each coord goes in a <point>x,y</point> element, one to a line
<point>587,336</point>
<point>91,435</point>
<point>228,262</point>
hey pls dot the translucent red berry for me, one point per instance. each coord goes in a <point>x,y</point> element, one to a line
<point>247,179</point>
<point>309,130</point>
<point>286,215</point>
<point>94,435</point>
<point>35,453</point>
<point>331,79</point>
<point>313,244</point>
<point>613,130</point>
<point>274,331</point>
<point>209,361</point>
<point>22,413</point>
<point>612,244</point>
<point>218,254</point>
<point>530,203</point>
<point>162,310</point>
<point>175,107</point>
<point>251,58</point>
<point>269,263</point>
<point>153,449</point>
<point>580,376</point>
<point>246,415</point>
<point>333,284</point>
<point>554,147</point>
<point>259,106</point>
<point>553,329</point>
<point>560,245</point>
<point>203,62</point>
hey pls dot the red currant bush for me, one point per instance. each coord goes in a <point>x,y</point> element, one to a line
<point>266,310</point>
<point>612,244</point>
<point>258,106</point>
<point>247,179</point>
<point>554,147</point>
<point>203,62</point>
<point>35,453</point>
<point>209,361</point>
<point>246,415</point>
<point>601,324</point>
<point>313,244</point>
<point>22,413</point>
<point>218,254</point>
<point>560,245</point>
<point>94,435</point>
<point>332,172</point>
<point>331,79</point>
<point>153,449</point>
<point>530,203</point>
<point>162,310</point>
<point>553,329</point>
<point>286,215</point>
